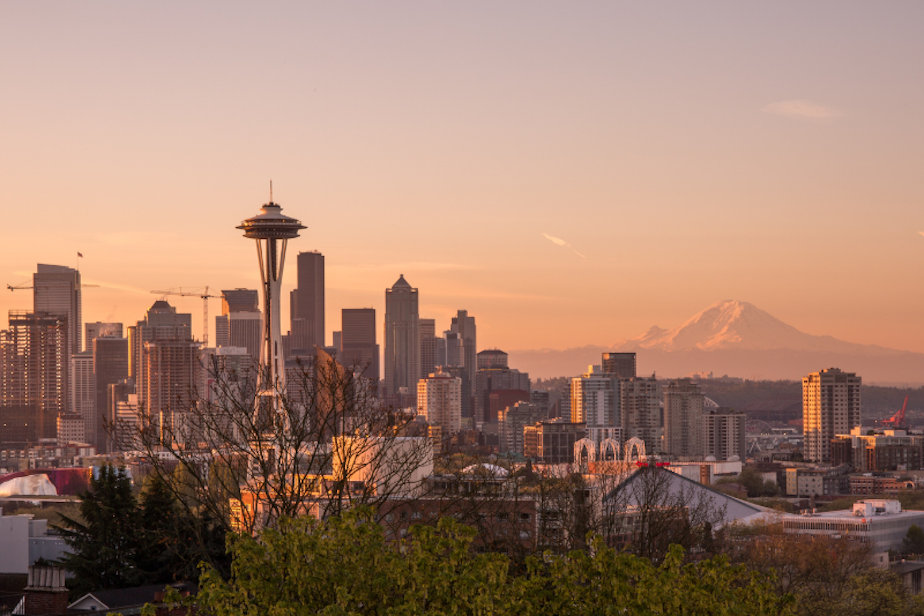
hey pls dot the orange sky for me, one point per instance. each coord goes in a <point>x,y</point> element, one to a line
<point>683,153</point>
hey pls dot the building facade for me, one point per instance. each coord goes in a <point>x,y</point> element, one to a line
<point>830,406</point>
<point>358,346</point>
<point>620,365</point>
<point>402,340</point>
<point>439,401</point>
<point>595,403</point>
<point>640,411</point>
<point>683,419</point>
<point>307,303</point>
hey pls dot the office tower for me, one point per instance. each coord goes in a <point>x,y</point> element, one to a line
<point>100,330</point>
<point>240,323</point>
<point>35,359</point>
<point>595,402</point>
<point>511,421</point>
<point>402,341</point>
<point>620,365</point>
<point>488,380</point>
<point>110,366</point>
<point>439,401</point>
<point>453,350</point>
<point>124,414</point>
<point>683,419</point>
<point>225,371</point>
<point>338,340</point>
<point>307,302</point>
<point>358,343</point>
<point>492,359</point>
<point>83,392</point>
<point>56,290</point>
<point>723,434</point>
<point>830,406</point>
<point>162,322</point>
<point>429,347</point>
<point>640,411</point>
<point>170,373</point>
<point>70,429</point>
<point>552,441</point>
<point>464,326</point>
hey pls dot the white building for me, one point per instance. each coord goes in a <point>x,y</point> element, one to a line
<point>881,522</point>
<point>439,401</point>
<point>23,540</point>
<point>640,410</point>
<point>595,402</point>
<point>830,406</point>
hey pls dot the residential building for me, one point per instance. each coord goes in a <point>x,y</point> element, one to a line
<point>724,434</point>
<point>162,322</point>
<point>886,450</point>
<point>70,429</point>
<point>830,406</point>
<point>595,403</point>
<point>402,342</point>
<point>169,382</point>
<point>494,378</point>
<point>620,365</point>
<point>683,419</point>
<point>640,410</point>
<point>83,392</point>
<point>512,420</point>
<point>439,401</point>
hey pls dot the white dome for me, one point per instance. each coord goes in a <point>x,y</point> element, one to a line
<point>486,469</point>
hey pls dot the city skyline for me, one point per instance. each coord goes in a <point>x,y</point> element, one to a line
<point>696,153</point>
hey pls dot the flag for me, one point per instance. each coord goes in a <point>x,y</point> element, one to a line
<point>79,255</point>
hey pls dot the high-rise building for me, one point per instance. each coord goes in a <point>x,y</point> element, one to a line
<point>595,402</point>
<point>402,341</point>
<point>439,401</point>
<point>464,326</point>
<point>358,347</point>
<point>640,411</point>
<point>162,322</point>
<point>241,322</point>
<point>620,365</point>
<point>830,406</point>
<point>552,441</point>
<point>83,391</point>
<point>170,377</point>
<point>110,366</point>
<point>56,290</point>
<point>512,420</point>
<point>429,347</point>
<point>307,302</point>
<point>683,419</point>
<point>488,380</point>
<point>35,360</point>
<point>100,330</point>
<point>723,434</point>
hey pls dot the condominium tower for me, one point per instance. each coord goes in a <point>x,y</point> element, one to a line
<point>830,406</point>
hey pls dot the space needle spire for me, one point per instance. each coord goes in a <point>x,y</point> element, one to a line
<point>272,230</point>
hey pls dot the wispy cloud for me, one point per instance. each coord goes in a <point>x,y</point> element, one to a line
<point>921,232</point>
<point>803,110</point>
<point>560,242</point>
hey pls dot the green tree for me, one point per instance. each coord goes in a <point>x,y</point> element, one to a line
<point>913,543</point>
<point>345,565</point>
<point>105,544</point>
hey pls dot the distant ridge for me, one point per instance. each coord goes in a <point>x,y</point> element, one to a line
<point>738,339</point>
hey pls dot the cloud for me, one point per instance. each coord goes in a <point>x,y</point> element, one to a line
<point>921,232</point>
<point>803,110</point>
<point>560,242</point>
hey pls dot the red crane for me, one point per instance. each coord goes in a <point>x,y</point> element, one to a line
<point>898,419</point>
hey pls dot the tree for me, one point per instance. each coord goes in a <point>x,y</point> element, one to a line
<point>105,544</point>
<point>346,565</point>
<point>913,543</point>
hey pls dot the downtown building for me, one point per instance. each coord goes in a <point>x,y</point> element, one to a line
<point>493,379</point>
<point>595,403</point>
<point>439,402</point>
<point>307,305</point>
<point>830,406</point>
<point>402,343</point>
<point>640,410</point>
<point>683,419</point>
<point>241,322</point>
<point>358,347</point>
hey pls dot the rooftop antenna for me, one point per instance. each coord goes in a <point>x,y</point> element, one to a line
<point>271,191</point>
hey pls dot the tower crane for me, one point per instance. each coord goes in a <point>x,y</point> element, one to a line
<point>204,294</point>
<point>24,286</point>
<point>898,419</point>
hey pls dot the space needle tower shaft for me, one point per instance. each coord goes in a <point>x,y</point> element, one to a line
<point>271,230</point>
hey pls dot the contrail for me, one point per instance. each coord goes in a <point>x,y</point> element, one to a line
<point>560,242</point>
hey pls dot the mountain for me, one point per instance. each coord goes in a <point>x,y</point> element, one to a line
<point>735,338</point>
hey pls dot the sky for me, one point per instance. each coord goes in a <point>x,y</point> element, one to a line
<point>569,173</point>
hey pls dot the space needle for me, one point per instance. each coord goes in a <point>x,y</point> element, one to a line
<point>272,230</point>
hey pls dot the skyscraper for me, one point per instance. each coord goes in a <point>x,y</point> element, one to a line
<point>723,434</point>
<point>240,322</point>
<point>110,366</point>
<point>99,329</point>
<point>169,381</point>
<point>595,402</point>
<point>35,360</point>
<point>429,347</point>
<point>307,302</point>
<point>402,341</point>
<point>498,377</point>
<point>683,419</point>
<point>464,326</point>
<point>830,406</point>
<point>56,290</point>
<point>83,392</point>
<point>620,365</point>
<point>358,348</point>
<point>162,322</point>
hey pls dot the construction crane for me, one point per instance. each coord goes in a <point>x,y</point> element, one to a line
<point>23,286</point>
<point>898,419</point>
<point>204,294</point>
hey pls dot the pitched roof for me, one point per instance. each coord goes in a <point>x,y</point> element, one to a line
<point>120,598</point>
